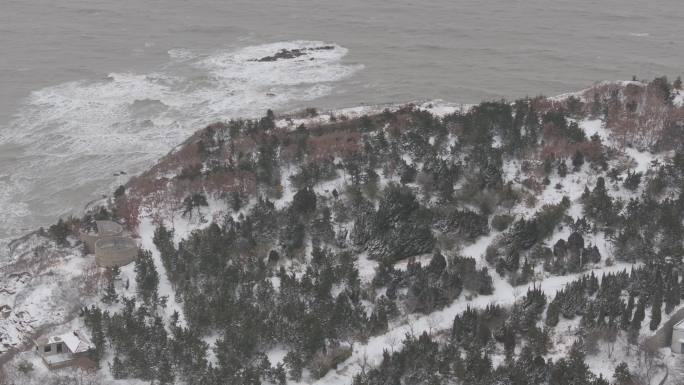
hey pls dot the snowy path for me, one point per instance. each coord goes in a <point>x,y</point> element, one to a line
<point>146,230</point>
<point>504,294</point>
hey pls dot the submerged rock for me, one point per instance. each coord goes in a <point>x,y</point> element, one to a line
<point>293,53</point>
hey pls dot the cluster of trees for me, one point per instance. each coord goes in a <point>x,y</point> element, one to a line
<point>465,357</point>
<point>407,185</point>
<point>517,250</point>
<point>400,228</point>
<point>650,227</point>
<point>425,289</point>
<point>603,307</point>
<point>254,305</point>
<point>462,223</point>
<point>63,229</point>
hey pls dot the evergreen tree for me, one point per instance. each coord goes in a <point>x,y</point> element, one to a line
<point>657,303</point>
<point>304,201</point>
<point>408,174</point>
<point>673,296</point>
<point>622,375</point>
<point>632,180</point>
<point>552,313</point>
<point>626,315</point>
<point>635,326</point>
<point>235,201</point>
<point>118,369</point>
<point>194,201</point>
<point>562,168</point>
<point>110,295</point>
<point>146,277</point>
<point>598,204</point>
<point>273,256</point>
<point>577,368</point>
<point>279,375</point>
<point>577,160</point>
<point>59,232</point>
<point>165,374</point>
<point>295,365</point>
<point>93,318</point>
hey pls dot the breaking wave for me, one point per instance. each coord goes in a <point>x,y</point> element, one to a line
<point>74,136</point>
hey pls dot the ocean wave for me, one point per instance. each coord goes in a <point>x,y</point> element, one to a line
<point>181,54</point>
<point>127,120</point>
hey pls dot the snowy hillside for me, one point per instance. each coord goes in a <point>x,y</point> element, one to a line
<point>538,241</point>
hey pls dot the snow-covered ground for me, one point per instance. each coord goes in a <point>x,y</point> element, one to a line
<point>58,281</point>
<point>504,294</point>
<point>679,98</point>
<point>436,107</point>
<point>165,289</point>
<point>42,289</point>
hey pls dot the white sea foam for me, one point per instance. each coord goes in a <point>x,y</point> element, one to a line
<point>181,54</point>
<point>75,133</point>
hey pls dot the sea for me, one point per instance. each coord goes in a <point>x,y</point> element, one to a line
<point>94,91</point>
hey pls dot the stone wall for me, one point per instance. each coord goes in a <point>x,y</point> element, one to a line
<point>118,251</point>
<point>663,336</point>
<point>110,246</point>
<point>105,230</point>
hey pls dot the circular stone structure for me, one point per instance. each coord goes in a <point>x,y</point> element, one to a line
<point>116,251</point>
<point>105,230</point>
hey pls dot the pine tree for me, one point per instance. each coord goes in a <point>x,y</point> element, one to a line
<point>273,256</point>
<point>110,295</point>
<point>635,326</point>
<point>194,201</point>
<point>437,264</point>
<point>626,315</point>
<point>118,369</point>
<point>632,180</point>
<point>295,365</point>
<point>146,277</point>
<point>597,203</point>
<point>304,202</point>
<point>552,313</point>
<point>165,374</point>
<point>408,174</point>
<point>59,232</point>
<point>279,375</point>
<point>508,338</point>
<point>622,375</point>
<point>589,317</point>
<point>639,314</point>
<point>673,296</point>
<point>93,319</point>
<point>577,368</point>
<point>596,105</point>
<point>577,160</point>
<point>657,303</point>
<point>562,168</point>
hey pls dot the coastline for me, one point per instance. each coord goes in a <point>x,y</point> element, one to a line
<point>151,198</point>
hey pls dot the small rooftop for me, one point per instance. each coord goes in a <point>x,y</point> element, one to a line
<point>75,341</point>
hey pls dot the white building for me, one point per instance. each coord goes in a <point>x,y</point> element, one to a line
<point>678,337</point>
<point>64,350</point>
